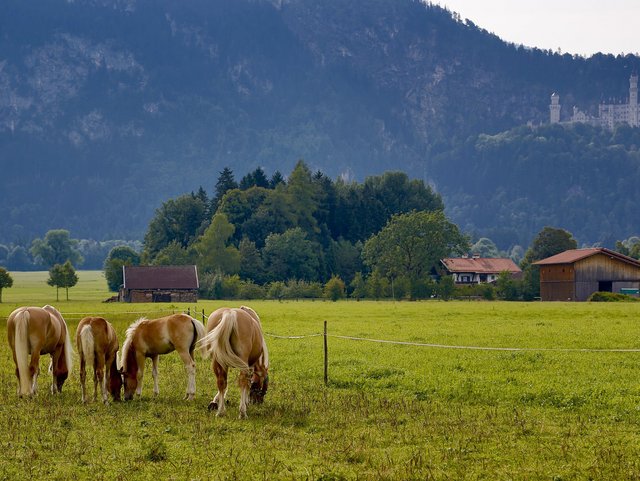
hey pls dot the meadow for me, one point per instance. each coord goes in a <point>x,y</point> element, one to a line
<point>565,407</point>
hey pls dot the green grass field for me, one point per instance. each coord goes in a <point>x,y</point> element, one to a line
<point>390,411</point>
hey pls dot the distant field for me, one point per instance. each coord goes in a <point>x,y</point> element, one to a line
<point>390,411</point>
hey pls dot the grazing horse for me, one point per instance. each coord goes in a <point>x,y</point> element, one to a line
<point>97,345</point>
<point>234,340</point>
<point>152,337</point>
<point>36,331</point>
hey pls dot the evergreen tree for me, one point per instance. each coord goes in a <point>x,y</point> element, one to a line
<point>276,180</point>
<point>303,196</point>
<point>225,183</point>
<point>257,178</point>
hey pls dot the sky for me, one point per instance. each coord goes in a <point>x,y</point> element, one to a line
<point>581,27</point>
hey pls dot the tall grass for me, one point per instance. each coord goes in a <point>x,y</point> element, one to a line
<point>389,411</point>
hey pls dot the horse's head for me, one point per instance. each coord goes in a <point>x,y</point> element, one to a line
<point>258,389</point>
<point>115,380</point>
<point>129,372</point>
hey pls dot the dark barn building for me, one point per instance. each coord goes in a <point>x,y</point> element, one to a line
<point>159,284</point>
<point>575,274</point>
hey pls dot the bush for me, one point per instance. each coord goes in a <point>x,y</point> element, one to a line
<point>611,297</point>
<point>250,290</point>
<point>334,289</point>
<point>298,289</point>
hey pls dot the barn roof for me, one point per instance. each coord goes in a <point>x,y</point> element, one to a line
<point>160,277</point>
<point>575,255</point>
<point>480,265</point>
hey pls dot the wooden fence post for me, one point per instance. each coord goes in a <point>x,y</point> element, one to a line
<point>326,356</point>
<point>203,318</point>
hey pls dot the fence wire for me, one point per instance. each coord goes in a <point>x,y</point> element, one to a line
<point>383,341</point>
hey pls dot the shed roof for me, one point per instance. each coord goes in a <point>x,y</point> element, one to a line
<point>160,277</point>
<point>575,255</point>
<point>480,265</point>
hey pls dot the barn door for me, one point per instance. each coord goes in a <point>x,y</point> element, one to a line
<point>605,286</point>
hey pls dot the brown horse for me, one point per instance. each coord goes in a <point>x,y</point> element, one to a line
<point>234,340</point>
<point>36,331</point>
<point>152,337</point>
<point>97,345</point>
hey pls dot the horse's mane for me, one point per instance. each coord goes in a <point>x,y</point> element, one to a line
<point>127,341</point>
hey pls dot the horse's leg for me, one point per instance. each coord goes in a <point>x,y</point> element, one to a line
<point>154,373</point>
<point>83,377</point>
<point>221,382</point>
<point>34,369</point>
<point>53,367</point>
<point>140,374</point>
<point>243,384</point>
<point>99,378</point>
<point>190,367</point>
<point>106,377</point>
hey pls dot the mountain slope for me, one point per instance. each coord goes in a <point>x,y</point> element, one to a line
<point>108,107</point>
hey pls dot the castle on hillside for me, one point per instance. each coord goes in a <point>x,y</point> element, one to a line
<point>608,114</point>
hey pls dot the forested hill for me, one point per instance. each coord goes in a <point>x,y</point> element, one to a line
<point>109,107</point>
<point>507,186</point>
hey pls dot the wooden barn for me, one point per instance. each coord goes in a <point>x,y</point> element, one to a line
<point>159,284</point>
<point>575,274</point>
<point>477,270</point>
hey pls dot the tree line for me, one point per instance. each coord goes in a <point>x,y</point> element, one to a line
<point>307,236</point>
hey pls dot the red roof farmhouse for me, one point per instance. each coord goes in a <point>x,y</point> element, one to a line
<point>475,270</point>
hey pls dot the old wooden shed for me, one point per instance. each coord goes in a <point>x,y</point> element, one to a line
<point>159,284</point>
<point>575,274</point>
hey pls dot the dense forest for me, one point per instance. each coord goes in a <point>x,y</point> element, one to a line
<point>318,225</point>
<point>111,107</point>
<point>509,186</point>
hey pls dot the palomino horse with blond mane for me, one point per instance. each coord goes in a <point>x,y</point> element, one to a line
<point>36,331</point>
<point>152,337</point>
<point>235,340</point>
<point>97,345</point>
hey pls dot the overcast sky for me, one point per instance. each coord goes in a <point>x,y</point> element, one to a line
<point>575,26</point>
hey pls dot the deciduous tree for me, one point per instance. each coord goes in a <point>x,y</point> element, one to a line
<point>118,257</point>
<point>214,252</point>
<point>62,276</point>
<point>5,280</point>
<point>57,247</point>
<point>549,242</point>
<point>412,244</point>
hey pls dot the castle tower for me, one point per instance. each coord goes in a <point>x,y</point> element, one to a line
<point>633,100</point>
<point>554,108</point>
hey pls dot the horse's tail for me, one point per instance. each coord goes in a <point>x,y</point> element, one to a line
<point>198,332</point>
<point>217,344</point>
<point>265,354</point>
<point>86,345</point>
<point>22,350</point>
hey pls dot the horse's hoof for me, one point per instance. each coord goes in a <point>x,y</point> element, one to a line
<point>242,416</point>
<point>212,406</point>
